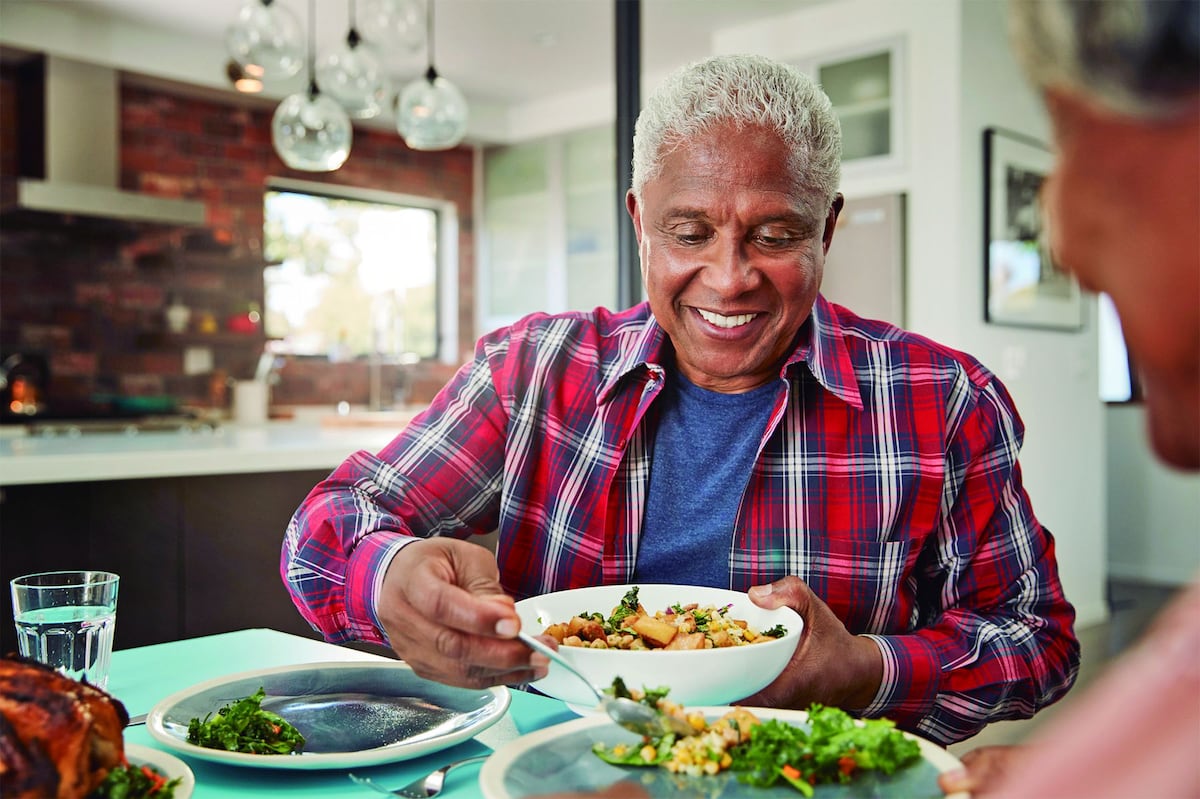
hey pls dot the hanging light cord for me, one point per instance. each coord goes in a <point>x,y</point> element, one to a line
<point>431,73</point>
<point>312,49</point>
<point>352,38</point>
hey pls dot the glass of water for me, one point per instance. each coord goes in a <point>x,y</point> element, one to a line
<point>66,620</point>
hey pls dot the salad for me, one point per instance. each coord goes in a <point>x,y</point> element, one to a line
<point>679,626</point>
<point>833,748</point>
<point>244,726</point>
<point>127,781</point>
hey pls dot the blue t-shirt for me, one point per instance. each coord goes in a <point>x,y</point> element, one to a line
<point>704,448</point>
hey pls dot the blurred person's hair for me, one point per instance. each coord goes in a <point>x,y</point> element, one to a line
<point>744,91</point>
<point>1137,57</point>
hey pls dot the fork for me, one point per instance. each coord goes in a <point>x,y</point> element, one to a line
<point>422,787</point>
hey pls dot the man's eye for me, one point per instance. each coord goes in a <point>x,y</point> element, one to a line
<point>772,239</point>
<point>691,234</point>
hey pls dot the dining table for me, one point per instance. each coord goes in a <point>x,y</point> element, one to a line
<point>141,677</point>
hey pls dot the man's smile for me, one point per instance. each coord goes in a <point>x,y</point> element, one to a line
<point>726,321</point>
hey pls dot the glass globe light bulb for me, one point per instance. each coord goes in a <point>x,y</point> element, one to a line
<point>355,78</point>
<point>266,40</point>
<point>431,113</point>
<point>311,132</point>
<point>393,23</point>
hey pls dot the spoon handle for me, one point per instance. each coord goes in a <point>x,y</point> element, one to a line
<point>538,646</point>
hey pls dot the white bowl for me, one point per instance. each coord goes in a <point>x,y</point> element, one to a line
<point>699,677</point>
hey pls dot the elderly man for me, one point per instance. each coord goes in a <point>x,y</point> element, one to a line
<point>737,430</point>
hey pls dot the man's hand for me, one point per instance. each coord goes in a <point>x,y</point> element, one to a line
<point>983,769</point>
<point>831,666</point>
<point>445,614</point>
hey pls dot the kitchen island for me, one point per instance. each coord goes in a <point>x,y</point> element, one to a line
<point>192,521</point>
<point>229,449</point>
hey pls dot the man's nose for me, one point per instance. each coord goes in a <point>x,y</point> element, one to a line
<point>730,269</point>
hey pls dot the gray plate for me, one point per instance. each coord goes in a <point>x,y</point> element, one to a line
<point>351,714</point>
<point>562,756</point>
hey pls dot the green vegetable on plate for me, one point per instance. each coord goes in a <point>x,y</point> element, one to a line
<point>135,782</point>
<point>244,726</point>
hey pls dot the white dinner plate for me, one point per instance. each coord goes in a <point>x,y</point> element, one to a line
<point>350,713</point>
<point>561,756</point>
<point>165,764</point>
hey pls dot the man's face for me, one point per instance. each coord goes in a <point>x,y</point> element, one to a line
<point>732,254</point>
<point>1123,209</point>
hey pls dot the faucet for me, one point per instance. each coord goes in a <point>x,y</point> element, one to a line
<point>375,380</point>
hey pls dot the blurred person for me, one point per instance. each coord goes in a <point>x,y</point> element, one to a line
<point>1121,82</point>
<point>736,430</point>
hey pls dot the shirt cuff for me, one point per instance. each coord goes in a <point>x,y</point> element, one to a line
<point>911,678</point>
<point>364,581</point>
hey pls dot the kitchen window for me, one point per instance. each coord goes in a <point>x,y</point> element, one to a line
<point>354,273</point>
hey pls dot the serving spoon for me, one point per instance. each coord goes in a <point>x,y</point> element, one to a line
<point>634,716</point>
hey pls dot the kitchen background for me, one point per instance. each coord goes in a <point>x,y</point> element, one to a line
<point>90,295</point>
<point>97,300</point>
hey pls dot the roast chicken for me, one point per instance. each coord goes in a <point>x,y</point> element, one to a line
<point>58,737</point>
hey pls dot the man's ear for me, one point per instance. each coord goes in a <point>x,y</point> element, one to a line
<point>831,221</point>
<point>631,205</point>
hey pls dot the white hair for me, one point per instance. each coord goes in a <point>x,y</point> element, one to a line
<point>744,91</point>
<point>1138,57</point>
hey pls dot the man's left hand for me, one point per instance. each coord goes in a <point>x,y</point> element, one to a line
<point>831,666</point>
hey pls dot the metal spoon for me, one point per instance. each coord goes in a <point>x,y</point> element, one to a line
<point>633,716</point>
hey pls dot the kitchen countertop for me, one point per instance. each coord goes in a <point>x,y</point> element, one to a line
<point>291,445</point>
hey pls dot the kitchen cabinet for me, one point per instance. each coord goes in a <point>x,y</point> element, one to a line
<point>866,88</point>
<point>550,221</point>
<point>196,555</point>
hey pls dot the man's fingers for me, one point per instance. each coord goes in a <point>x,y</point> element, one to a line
<point>790,591</point>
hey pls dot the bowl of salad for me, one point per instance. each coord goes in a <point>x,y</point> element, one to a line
<point>711,646</point>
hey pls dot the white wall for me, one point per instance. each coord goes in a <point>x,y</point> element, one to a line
<point>1153,511</point>
<point>960,78</point>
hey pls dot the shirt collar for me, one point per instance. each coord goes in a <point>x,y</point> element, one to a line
<point>819,346</point>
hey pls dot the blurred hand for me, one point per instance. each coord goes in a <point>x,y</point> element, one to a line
<point>830,666</point>
<point>983,769</point>
<point>446,615</point>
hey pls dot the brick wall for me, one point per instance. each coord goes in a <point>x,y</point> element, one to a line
<point>90,296</point>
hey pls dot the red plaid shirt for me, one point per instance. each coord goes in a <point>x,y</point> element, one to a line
<point>887,479</point>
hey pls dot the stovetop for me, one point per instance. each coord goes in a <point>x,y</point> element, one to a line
<point>130,426</point>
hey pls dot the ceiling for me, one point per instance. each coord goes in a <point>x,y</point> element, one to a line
<point>503,54</point>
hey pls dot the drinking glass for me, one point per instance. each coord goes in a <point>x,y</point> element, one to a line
<point>66,620</point>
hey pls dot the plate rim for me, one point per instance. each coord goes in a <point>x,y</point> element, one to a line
<point>169,765</point>
<point>393,753</point>
<point>491,775</point>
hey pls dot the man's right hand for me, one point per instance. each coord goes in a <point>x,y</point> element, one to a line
<point>446,615</point>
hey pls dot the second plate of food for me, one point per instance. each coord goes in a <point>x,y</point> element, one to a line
<point>351,713</point>
<point>562,756</point>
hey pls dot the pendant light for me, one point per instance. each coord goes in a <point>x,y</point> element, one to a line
<point>311,132</point>
<point>391,24</point>
<point>266,41</point>
<point>432,112</point>
<point>354,76</point>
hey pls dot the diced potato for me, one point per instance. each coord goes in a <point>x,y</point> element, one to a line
<point>587,629</point>
<point>721,638</point>
<point>686,641</point>
<point>656,632</point>
<point>557,631</point>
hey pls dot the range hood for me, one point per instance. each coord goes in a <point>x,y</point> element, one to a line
<point>69,150</point>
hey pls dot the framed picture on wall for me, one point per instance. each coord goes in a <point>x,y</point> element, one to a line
<point>1022,283</point>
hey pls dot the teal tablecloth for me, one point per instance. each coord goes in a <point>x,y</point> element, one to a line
<point>141,677</point>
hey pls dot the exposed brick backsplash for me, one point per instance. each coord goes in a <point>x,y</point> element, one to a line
<point>90,297</point>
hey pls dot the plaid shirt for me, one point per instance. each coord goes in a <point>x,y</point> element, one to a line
<point>887,479</point>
